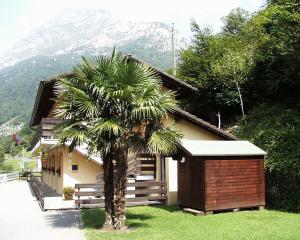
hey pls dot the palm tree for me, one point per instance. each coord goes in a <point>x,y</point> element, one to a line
<point>116,106</point>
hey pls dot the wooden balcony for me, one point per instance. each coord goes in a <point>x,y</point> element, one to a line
<point>45,130</point>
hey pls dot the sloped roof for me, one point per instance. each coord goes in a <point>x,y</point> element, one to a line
<point>168,80</point>
<point>202,148</point>
<point>201,123</point>
<point>43,102</point>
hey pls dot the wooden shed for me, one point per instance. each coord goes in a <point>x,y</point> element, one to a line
<point>219,175</point>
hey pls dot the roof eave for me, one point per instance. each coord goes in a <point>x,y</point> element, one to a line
<point>200,122</point>
<point>179,82</point>
<point>39,94</point>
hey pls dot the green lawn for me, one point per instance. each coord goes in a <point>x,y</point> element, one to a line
<point>171,223</point>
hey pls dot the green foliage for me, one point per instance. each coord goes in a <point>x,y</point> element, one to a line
<point>233,66</point>
<point>113,103</point>
<point>68,193</point>
<point>276,73</point>
<point>10,147</point>
<point>68,190</point>
<point>263,50</point>
<point>235,21</point>
<point>208,64</point>
<point>30,166</point>
<point>11,165</point>
<point>276,129</point>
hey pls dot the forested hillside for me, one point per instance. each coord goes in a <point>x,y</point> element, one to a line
<point>249,75</point>
<point>19,82</point>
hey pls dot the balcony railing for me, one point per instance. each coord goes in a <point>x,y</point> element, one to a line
<point>45,130</point>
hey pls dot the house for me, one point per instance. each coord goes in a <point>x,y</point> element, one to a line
<point>204,150</point>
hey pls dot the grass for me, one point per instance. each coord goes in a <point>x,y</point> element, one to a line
<point>171,223</point>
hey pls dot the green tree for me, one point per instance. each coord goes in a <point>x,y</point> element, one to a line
<point>235,21</point>
<point>11,165</point>
<point>277,130</point>
<point>116,106</point>
<point>235,67</point>
<point>276,70</point>
<point>218,64</point>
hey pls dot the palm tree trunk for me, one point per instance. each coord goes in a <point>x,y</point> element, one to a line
<point>120,187</point>
<point>108,177</point>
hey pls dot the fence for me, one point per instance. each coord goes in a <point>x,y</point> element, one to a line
<point>6,177</point>
<point>38,188</point>
<point>137,193</point>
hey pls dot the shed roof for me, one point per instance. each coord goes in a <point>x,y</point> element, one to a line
<point>203,148</point>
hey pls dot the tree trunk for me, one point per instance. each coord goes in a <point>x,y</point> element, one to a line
<point>120,187</point>
<point>241,99</point>
<point>219,119</point>
<point>108,178</point>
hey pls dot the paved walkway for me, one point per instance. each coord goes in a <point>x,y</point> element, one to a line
<point>21,217</point>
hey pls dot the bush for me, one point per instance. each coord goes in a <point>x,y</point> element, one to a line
<point>276,129</point>
<point>68,193</point>
<point>11,165</point>
<point>30,166</point>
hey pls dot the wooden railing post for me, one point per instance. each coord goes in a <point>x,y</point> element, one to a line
<point>78,197</point>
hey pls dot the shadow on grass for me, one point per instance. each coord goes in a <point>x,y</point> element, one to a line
<point>137,220</point>
<point>94,218</point>
<point>171,208</point>
<point>282,210</point>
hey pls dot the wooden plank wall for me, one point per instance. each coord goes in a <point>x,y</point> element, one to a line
<point>198,189</point>
<point>191,183</point>
<point>184,182</point>
<point>234,183</point>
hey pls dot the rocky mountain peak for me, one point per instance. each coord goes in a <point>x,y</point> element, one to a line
<point>90,31</point>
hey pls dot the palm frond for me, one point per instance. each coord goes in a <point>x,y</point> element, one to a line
<point>110,127</point>
<point>164,141</point>
<point>107,99</point>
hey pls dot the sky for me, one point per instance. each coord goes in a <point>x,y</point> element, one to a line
<point>18,17</point>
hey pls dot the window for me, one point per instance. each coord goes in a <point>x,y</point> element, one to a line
<point>74,167</point>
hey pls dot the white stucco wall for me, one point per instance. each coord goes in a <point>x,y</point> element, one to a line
<point>87,169</point>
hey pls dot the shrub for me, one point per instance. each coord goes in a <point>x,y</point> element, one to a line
<point>68,193</point>
<point>11,165</point>
<point>276,129</point>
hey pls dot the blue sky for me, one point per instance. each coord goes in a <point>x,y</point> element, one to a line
<point>18,17</point>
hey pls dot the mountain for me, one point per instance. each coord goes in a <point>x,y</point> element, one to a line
<point>58,45</point>
<point>90,32</point>
<point>19,83</point>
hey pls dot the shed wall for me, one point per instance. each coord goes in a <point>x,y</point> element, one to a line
<point>234,183</point>
<point>208,184</point>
